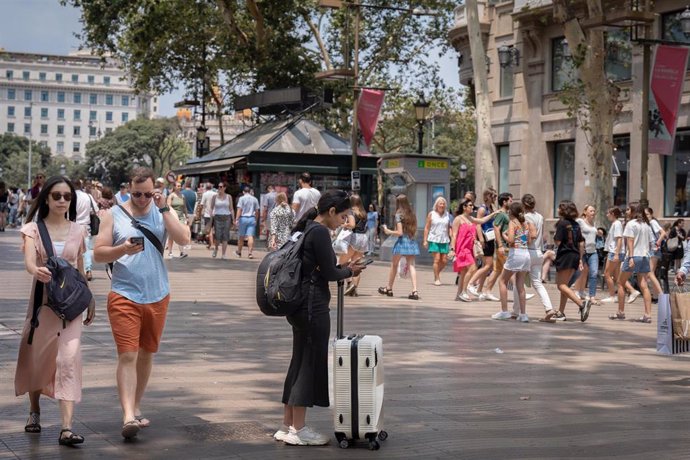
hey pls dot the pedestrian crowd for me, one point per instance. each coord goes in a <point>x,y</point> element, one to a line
<point>497,241</point>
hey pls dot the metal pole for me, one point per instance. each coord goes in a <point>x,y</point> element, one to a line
<point>646,69</point>
<point>31,119</point>
<point>420,136</point>
<point>355,104</point>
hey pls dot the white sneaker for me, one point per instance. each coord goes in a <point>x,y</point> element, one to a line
<point>609,300</point>
<point>501,315</point>
<point>482,297</point>
<point>305,437</point>
<point>523,318</point>
<point>529,296</point>
<point>492,297</point>
<point>633,295</point>
<point>463,297</point>
<point>282,433</point>
<point>473,290</point>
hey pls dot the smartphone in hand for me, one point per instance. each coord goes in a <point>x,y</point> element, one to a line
<point>139,240</point>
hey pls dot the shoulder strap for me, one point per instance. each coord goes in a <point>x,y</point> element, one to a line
<point>142,228</point>
<point>45,237</point>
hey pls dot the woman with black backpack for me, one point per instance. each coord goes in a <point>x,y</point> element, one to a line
<point>51,363</point>
<point>306,383</point>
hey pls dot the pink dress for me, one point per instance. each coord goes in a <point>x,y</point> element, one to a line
<point>52,363</point>
<point>464,247</point>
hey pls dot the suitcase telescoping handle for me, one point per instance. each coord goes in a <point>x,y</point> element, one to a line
<point>341,302</point>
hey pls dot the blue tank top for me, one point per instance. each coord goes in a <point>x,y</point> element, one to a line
<point>142,277</point>
<point>486,226</point>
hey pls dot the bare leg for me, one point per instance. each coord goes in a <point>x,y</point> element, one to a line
<point>522,296</point>
<point>646,295</point>
<point>467,275</point>
<point>250,243</point>
<point>622,281</point>
<point>480,275</point>
<point>413,271</point>
<point>34,405</point>
<point>127,383</point>
<point>299,415</point>
<point>66,412</point>
<point>240,244</point>
<point>393,271</point>
<point>287,415</point>
<point>144,364</point>
<point>443,261</point>
<point>503,288</point>
<point>562,279</point>
<point>437,267</point>
<point>656,286</point>
<point>225,248</point>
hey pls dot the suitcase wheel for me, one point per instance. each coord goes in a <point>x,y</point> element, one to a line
<point>383,435</point>
<point>344,444</point>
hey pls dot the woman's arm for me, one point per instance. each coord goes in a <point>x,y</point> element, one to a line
<point>661,238</point>
<point>350,223</point>
<point>482,220</point>
<point>323,253</point>
<point>454,232</point>
<point>510,236</point>
<point>427,227</point>
<point>531,231</point>
<point>40,273</point>
<point>397,232</point>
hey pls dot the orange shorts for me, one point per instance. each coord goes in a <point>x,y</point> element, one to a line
<point>136,325</point>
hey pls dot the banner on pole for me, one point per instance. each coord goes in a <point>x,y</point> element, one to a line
<point>370,102</point>
<point>666,88</point>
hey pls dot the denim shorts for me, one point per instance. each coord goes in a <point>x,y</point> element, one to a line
<point>656,254</point>
<point>621,256</point>
<point>247,226</point>
<point>641,265</point>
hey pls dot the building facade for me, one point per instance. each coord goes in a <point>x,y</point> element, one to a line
<point>539,148</point>
<point>67,101</point>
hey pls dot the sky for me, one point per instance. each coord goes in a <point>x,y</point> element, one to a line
<point>44,26</point>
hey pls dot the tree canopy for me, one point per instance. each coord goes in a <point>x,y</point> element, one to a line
<point>154,143</point>
<point>14,158</point>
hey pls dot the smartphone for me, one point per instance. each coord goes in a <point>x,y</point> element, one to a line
<point>365,262</point>
<point>137,240</point>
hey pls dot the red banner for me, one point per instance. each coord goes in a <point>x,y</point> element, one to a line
<point>666,89</point>
<point>370,102</point>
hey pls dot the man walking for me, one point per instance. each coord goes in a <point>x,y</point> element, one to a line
<point>246,218</point>
<point>206,200</point>
<point>123,195</point>
<point>305,198</point>
<point>189,202</point>
<point>268,202</point>
<point>140,293</point>
<point>86,204</point>
<point>501,222</point>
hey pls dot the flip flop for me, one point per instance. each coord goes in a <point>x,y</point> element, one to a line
<point>130,429</point>
<point>143,421</point>
<point>618,315</point>
<point>644,319</point>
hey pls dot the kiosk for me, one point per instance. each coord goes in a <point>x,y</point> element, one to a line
<point>423,178</point>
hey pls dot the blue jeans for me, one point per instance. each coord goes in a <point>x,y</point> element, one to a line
<point>88,254</point>
<point>592,261</point>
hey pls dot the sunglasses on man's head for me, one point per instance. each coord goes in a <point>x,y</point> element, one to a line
<point>139,194</point>
<point>40,177</point>
<point>57,195</point>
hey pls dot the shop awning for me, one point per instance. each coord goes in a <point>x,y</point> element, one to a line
<point>193,169</point>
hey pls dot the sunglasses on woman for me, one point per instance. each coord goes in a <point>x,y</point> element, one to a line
<point>57,195</point>
<point>140,194</point>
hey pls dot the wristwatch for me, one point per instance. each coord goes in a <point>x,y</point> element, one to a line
<point>164,209</point>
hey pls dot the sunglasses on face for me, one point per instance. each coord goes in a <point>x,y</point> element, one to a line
<point>140,194</point>
<point>40,177</point>
<point>57,195</point>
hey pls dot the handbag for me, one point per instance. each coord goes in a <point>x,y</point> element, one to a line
<point>680,314</point>
<point>342,241</point>
<point>489,235</point>
<point>664,330</point>
<point>94,220</point>
<point>672,244</point>
<point>478,250</point>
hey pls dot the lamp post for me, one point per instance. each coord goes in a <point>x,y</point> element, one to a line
<point>421,108</point>
<point>63,171</point>
<point>463,176</point>
<point>508,56</point>
<point>31,122</point>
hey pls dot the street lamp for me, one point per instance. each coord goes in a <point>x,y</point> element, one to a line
<point>63,171</point>
<point>508,56</point>
<point>421,108</point>
<point>463,176</point>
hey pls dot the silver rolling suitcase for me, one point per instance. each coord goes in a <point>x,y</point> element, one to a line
<point>358,385</point>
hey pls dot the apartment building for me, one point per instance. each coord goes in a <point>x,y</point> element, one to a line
<point>539,148</point>
<point>67,101</point>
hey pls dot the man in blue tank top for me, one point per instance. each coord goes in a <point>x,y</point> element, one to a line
<point>140,293</point>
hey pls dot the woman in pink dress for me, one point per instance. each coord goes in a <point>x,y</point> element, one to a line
<point>51,364</point>
<point>463,235</point>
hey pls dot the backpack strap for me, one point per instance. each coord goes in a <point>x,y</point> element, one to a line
<point>142,228</point>
<point>39,286</point>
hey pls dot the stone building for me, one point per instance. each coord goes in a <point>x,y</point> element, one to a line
<point>539,150</point>
<point>66,101</point>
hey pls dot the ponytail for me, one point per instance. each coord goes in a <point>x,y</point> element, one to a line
<point>301,225</point>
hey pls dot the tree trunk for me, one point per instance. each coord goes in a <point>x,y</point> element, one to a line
<point>485,152</point>
<point>601,100</point>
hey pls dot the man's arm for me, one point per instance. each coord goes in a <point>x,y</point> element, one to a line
<point>104,251</point>
<point>179,232</point>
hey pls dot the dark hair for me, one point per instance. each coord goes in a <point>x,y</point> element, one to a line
<point>40,206</point>
<point>567,210</point>
<point>637,212</point>
<point>677,221</point>
<point>517,211</point>
<point>141,174</point>
<point>615,211</point>
<point>107,193</point>
<point>2,186</point>
<point>305,177</point>
<point>337,199</point>
<point>650,210</point>
<point>462,205</point>
<point>373,205</point>
<point>503,197</point>
<point>529,202</point>
<point>603,230</point>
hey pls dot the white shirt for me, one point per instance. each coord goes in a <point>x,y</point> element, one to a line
<point>616,231</point>
<point>640,233</point>
<point>655,230</point>
<point>248,204</point>
<point>589,233</point>
<point>306,198</point>
<point>120,198</point>
<point>84,203</point>
<point>206,199</point>
<point>537,220</point>
<point>438,230</point>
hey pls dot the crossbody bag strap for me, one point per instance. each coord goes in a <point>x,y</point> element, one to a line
<point>142,228</point>
<point>39,286</point>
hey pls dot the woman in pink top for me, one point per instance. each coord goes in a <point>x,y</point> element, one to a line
<point>51,364</point>
<point>463,236</point>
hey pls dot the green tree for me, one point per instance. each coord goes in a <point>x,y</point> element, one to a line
<point>14,158</point>
<point>155,143</point>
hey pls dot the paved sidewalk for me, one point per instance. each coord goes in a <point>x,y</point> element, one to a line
<point>567,390</point>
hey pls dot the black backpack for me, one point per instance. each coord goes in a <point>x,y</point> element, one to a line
<point>68,292</point>
<point>279,280</point>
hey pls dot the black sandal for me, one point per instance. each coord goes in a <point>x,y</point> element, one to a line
<point>413,296</point>
<point>33,425</point>
<point>386,291</point>
<point>70,440</point>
